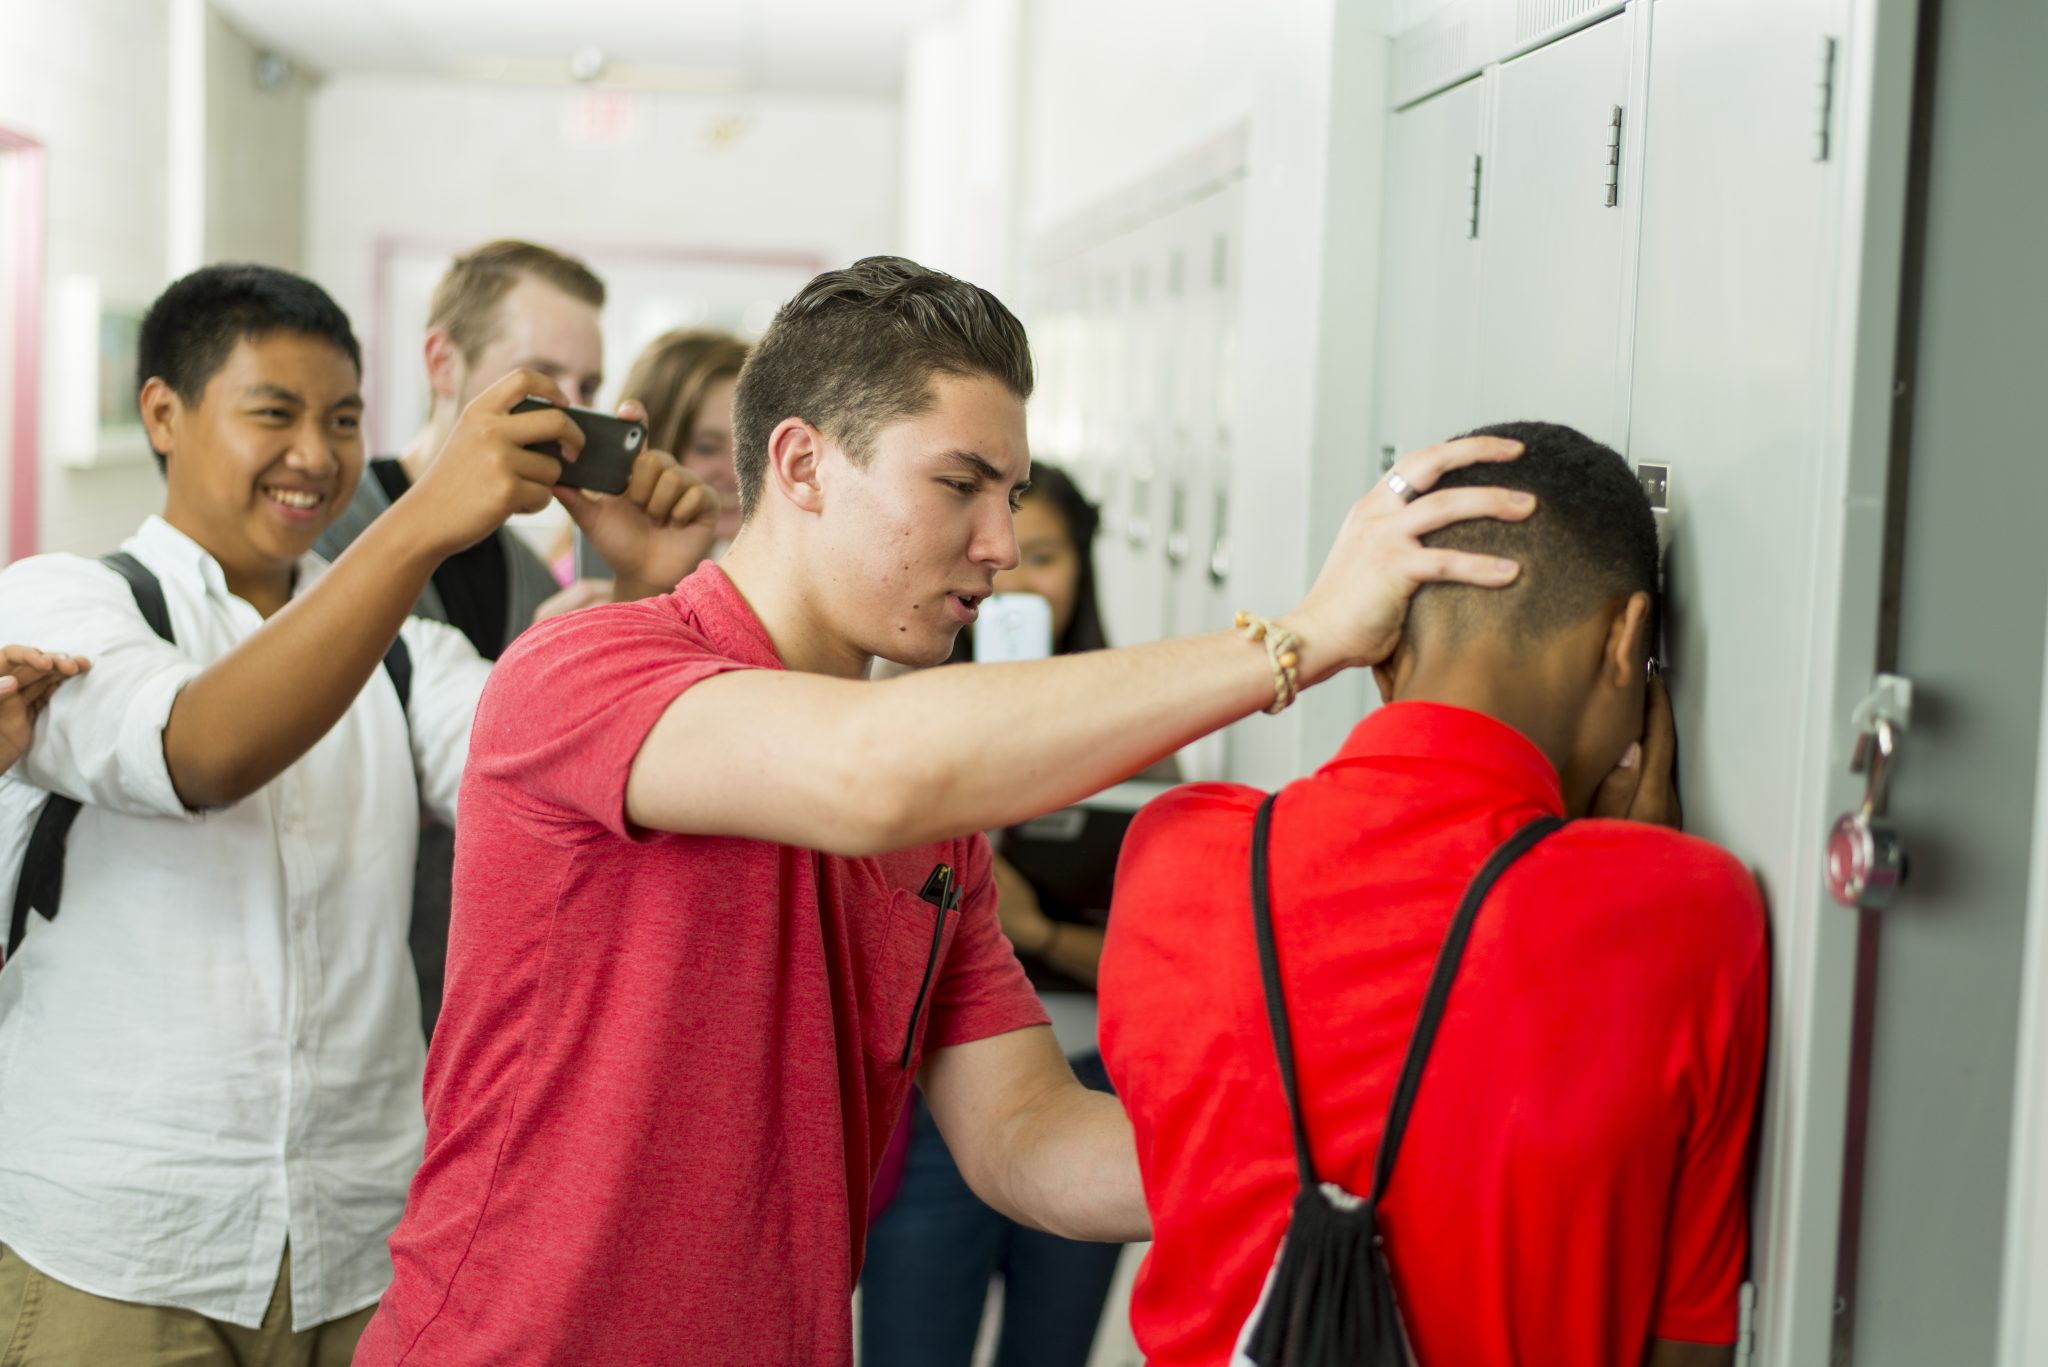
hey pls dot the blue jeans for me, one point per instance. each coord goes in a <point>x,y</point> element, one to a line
<point>933,1251</point>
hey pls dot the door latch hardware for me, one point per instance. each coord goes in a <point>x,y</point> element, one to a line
<point>1866,856</point>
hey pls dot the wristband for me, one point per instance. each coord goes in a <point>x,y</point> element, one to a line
<point>1281,653</point>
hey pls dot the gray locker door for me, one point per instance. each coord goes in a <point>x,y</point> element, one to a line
<point>1430,276</point>
<point>1973,599</point>
<point>1552,285</point>
<point>1208,233</point>
<point>1134,570</point>
<point>1761,375</point>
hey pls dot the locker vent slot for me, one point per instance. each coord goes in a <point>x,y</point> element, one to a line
<point>1534,18</point>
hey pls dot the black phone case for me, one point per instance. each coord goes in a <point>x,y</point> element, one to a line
<point>610,446</point>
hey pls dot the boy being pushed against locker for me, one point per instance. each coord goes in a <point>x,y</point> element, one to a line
<point>1572,1184</point>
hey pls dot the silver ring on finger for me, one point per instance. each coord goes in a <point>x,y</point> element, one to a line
<point>1403,490</point>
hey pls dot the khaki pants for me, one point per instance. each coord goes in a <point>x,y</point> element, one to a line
<point>44,1323</point>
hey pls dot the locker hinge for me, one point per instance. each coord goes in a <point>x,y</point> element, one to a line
<point>1614,157</point>
<point>1472,220</point>
<point>1822,139</point>
<point>1745,1328</point>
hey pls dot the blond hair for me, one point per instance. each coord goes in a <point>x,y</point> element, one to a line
<point>672,374</point>
<point>466,300</point>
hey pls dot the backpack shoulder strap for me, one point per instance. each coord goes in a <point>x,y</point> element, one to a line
<point>1276,997</point>
<point>398,666</point>
<point>41,881</point>
<point>1432,1014</point>
<point>148,592</point>
<point>1424,1035</point>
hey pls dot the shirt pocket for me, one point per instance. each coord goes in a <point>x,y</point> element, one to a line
<point>903,974</point>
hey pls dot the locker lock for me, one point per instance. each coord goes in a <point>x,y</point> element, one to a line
<point>1866,855</point>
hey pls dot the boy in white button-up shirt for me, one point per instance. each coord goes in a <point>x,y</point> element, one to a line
<point>210,1061</point>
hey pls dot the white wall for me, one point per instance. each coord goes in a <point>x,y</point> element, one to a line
<point>448,164</point>
<point>1112,94</point>
<point>93,81</point>
<point>255,154</point>
<point>1113,90</point>
<point>98,107</point>
<point>961,111</point>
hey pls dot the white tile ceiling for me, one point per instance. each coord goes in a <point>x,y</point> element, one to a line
<point>825,47</point>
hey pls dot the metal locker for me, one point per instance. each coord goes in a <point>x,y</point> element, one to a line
<point>1430,278</point>
<point>1200,568</point>
<point>1552,287</point>
<point>1746,331</point>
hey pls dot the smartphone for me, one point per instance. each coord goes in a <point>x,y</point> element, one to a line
<point>1013,626</point>
<point>610,446</point>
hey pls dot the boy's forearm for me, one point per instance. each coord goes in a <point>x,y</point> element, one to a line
<point>862,768</point>
<point>1072,1170</point>
<point>250,715</point>
<point>978,749</point>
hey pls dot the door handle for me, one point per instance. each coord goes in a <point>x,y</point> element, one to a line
<point>1867,860</point>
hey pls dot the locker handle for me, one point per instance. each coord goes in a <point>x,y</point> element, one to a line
<point>1138,522</point>
<point>1219,550</point>
<point>1177,526</point>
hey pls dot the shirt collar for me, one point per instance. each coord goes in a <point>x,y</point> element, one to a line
<point>710,600</point>
<point>1463,739</point>
<point>172,552</point>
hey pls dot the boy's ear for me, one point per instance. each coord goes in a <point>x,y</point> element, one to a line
<point>1391,674</point>
<point>795,451</point>
<point>162,411</point>
<point>444,364</point>
<point>1628,641</point>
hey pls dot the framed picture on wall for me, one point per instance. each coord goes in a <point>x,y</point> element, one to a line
<point>93,351</point>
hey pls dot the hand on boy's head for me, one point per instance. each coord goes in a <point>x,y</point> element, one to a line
<point>1644,786</point>
<point>486,473</point>
<point>1353,614</point>
<point>27,678</point>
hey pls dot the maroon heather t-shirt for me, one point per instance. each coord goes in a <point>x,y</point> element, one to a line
<point>667,1066</point>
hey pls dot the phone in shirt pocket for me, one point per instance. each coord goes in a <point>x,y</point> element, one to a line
<point>904,971</point>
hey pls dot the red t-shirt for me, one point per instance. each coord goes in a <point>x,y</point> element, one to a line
<point>1573,1180</point>
<point>666,1066</point>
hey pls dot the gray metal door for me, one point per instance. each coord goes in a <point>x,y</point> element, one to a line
<point>1971,604</point>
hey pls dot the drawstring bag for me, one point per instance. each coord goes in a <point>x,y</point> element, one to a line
<point>1329,1300</point>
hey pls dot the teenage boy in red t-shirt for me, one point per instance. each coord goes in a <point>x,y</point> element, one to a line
<point>1571,1187</point>
<point>718,901</point>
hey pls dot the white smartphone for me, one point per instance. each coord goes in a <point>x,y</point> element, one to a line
<point>1013,626</point>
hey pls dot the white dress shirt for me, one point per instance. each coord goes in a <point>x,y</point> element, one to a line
<point>216,1043</point>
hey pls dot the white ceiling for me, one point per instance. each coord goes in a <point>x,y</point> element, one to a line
<point>824,47</point>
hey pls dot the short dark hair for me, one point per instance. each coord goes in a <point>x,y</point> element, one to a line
<point>195,325</point>
<point>856,349</point>
<point>1590,541</point>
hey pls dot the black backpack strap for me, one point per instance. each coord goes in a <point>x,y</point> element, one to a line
<point>1276,997</point>
<point>1424,1035</point>
<point>1447,960</point>
<point>398,665</point>
<point>41,882</point>
<point>149,594</point>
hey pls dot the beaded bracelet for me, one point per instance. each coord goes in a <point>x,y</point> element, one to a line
<point>1281,652</point>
